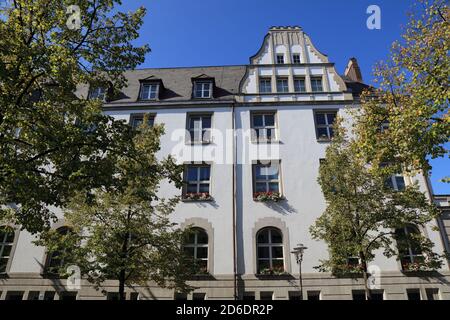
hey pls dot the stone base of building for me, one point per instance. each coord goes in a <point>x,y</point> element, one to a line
<point>392,286</point>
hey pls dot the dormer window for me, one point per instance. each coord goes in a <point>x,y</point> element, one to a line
<point>97,93</point>
<point>203,89</point>
<point>149,91</point>
<point>280,58</point>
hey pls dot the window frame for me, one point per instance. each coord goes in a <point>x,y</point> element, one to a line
<point>268,182</point>
<point>294,56</point>
<point>269,245</point>
<point>190,137</point>
<point>296,78</point>
<point>156,91</point>
<point>4,243</point>
<point>202,90</point>
<point>266,80</point>
<point>280,58</point>
<point>256,138</point>
<point>314,78</point>
<point>410,256</point>
<point>197,182</point>
<point>284,84</point>
<point>138,116</point>
<point>50,254</point>
<point>94,90</point>
<point>196,245</point>
<point>326,125</point>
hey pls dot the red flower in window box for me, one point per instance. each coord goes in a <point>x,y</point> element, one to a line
<point>201,196</point>
<point>267,196</point>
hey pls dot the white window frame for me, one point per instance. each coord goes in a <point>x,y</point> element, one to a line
<point>269,245</point>
<point>134,117</point>
<point>257,137</point>
<point>153,91</point>
<point>267,85</point>
<point>318,78</point>
<point>304,84</point>
<point>197,245</point>
<point>4,243</point>
<point>410,256</point>
<point>283,84</point>
<point>327,125</point>
<point>267,181</point>
<point>200,87</point>
<point>197,182</point>
<point>294,56</point>
<point>97,93</point>
<point>394,183</point>
<point>280,58</point>
<point>193,133</point>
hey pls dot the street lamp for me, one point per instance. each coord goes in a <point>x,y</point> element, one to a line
<point>298,253</point>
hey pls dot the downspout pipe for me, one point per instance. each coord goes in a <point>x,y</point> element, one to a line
<point>234,204</point>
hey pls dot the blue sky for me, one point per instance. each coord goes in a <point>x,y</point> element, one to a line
<point>228,32</point>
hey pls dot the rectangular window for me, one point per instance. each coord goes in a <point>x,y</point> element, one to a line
<point>33,295</point>
<point>265,85</point>
<point>266,295</point>
<point>299,85</point>
<point>294,295</point>
<point>249,296</point>
<point>68,296</point>
<point>197,296</point>
<point>396,182</point>
<point>316,84</point>
<point>432,294</point>
<point>264,127</point>
<point>97,93</point>
<point>49,295</point>
<point>282,85</point>
<point>137,119</point>
<point>14,295</point>
<point>377,295</point>
<point>180,296</point>
<point>280,58</point>
<point>197,181</point>
<point>134,296</point>
<point>199,127</point>
<point>358,295</point>
<point>266,178</point>
<point>149,91</point>
<point>413,294</point>
<point>296,58</point>
<point>324,124</point>
<point>203,89</point>
<point>314,295</point>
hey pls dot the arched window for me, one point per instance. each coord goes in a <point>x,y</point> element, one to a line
<point>6,243</point>
<point>270,257</point>
<point>196,246</point>
<point>409,250</point>
<point>55,259</point>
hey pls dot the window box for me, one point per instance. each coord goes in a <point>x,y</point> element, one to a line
<point>203,196</point>
<point>267,196</point>
<point>275,271</point>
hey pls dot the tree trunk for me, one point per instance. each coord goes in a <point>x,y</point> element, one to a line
<point>362,256</point>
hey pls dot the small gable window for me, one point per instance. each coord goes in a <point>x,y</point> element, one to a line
<point>296,58</point>
<point>203,89</point>
<point>280,58</point>
<point>97,93</point>
<point>149,91</point>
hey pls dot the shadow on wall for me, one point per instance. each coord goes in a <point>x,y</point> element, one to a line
<point>282,207</point>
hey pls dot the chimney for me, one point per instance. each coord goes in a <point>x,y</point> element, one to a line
<point>353,71</point>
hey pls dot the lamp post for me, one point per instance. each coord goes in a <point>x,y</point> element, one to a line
<point>298,253</point>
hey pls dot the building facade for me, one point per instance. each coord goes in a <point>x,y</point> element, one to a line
<point>245,134</point>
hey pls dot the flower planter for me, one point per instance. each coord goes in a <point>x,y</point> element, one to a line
<point>267,196</point>
<point>197,197</point>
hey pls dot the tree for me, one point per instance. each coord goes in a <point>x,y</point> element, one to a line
<point>124,233</point>
<point>53,142</point>
<point>363,213</point>
<point>413,95</point>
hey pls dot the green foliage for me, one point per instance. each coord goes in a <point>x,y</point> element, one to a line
<point>363,213</point>
<point>125,232</point>
<point>413,95</point>
<point>52,142</point>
